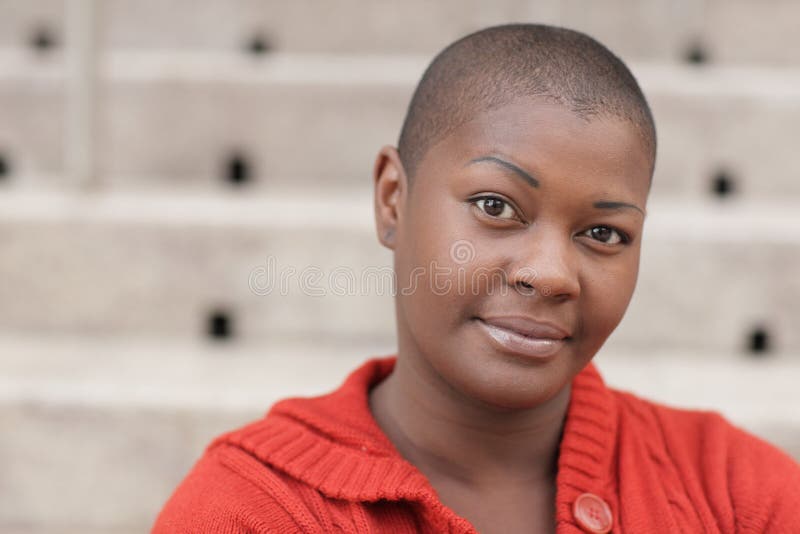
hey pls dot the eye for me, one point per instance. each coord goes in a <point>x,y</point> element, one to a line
<point>606,235</point>
<point>496,207</point>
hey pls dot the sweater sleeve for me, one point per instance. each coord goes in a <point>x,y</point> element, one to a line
<point>230,492</point>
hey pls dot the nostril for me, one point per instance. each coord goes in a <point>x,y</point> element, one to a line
<point>524,288</point>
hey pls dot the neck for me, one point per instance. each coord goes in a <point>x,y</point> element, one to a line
<point>448,435</point>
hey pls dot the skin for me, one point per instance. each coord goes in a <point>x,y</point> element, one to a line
<point>484,425</point>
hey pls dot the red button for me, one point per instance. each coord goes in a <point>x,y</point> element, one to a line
<point>592,514</point>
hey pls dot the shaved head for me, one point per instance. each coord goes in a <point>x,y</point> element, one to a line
<point>495,66</point>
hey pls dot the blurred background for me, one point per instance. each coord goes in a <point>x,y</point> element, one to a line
<point>159,159</point>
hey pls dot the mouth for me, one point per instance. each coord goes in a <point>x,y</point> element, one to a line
<point>524,337</point>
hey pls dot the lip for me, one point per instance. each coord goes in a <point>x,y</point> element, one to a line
<point>523,336</point>
<point>526,326</point>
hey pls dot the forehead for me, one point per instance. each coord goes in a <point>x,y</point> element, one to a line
<point>552,142</point>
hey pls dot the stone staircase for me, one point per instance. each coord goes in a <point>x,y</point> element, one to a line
<point>156,157</point>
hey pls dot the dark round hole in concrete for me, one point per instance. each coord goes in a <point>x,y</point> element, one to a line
<point>5,167</point>
<point>696,54</point>
<point>220,324</point>
<point>723,184</point>
<point>758,341</point>
<point>42,39</point>
<point>258,45</point>
<point>238,169</point>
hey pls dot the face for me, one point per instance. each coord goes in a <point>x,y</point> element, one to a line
<point>516,249</point>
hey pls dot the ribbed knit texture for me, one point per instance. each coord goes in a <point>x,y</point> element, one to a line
<point>322,464</point>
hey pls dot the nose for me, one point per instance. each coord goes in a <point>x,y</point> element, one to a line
<point>546,265</point>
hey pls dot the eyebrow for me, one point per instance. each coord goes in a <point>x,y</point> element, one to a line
<point>533,182</point>
<point>530,180</point>
<point>612,205</point>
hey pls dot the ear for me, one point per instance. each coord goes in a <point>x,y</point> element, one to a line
<point>390,190</point>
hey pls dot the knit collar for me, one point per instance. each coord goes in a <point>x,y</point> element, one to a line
<point>333,443</point>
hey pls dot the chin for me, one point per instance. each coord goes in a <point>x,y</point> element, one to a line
<point>504,383</point>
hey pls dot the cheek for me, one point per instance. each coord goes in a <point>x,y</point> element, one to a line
<point>606,294</point>
<point>431,275</point>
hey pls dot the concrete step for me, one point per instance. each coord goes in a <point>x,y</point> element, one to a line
<point>22,20</point>
<point>105,429</point>
<point>289,266</point>
<point>736,122</point>
<point>727,31</point>
<point>32,121</point>
<point>177,122</point>
<point>739,30</point>
<point>106,265</point>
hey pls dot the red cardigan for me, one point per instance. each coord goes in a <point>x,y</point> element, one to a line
<point>322,464</point>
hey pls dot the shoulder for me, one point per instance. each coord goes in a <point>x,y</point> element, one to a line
<point>293,470</point>
<point>228,490</point>
<point>736,471</point>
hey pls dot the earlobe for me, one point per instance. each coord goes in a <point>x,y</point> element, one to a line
<point>389,179</point>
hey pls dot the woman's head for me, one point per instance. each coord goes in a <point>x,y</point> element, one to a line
<point>524,215</point>
<point>492,67</point>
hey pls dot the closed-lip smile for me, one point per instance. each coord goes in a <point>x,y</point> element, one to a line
<point>526,326</point>
<point>523,336</point>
